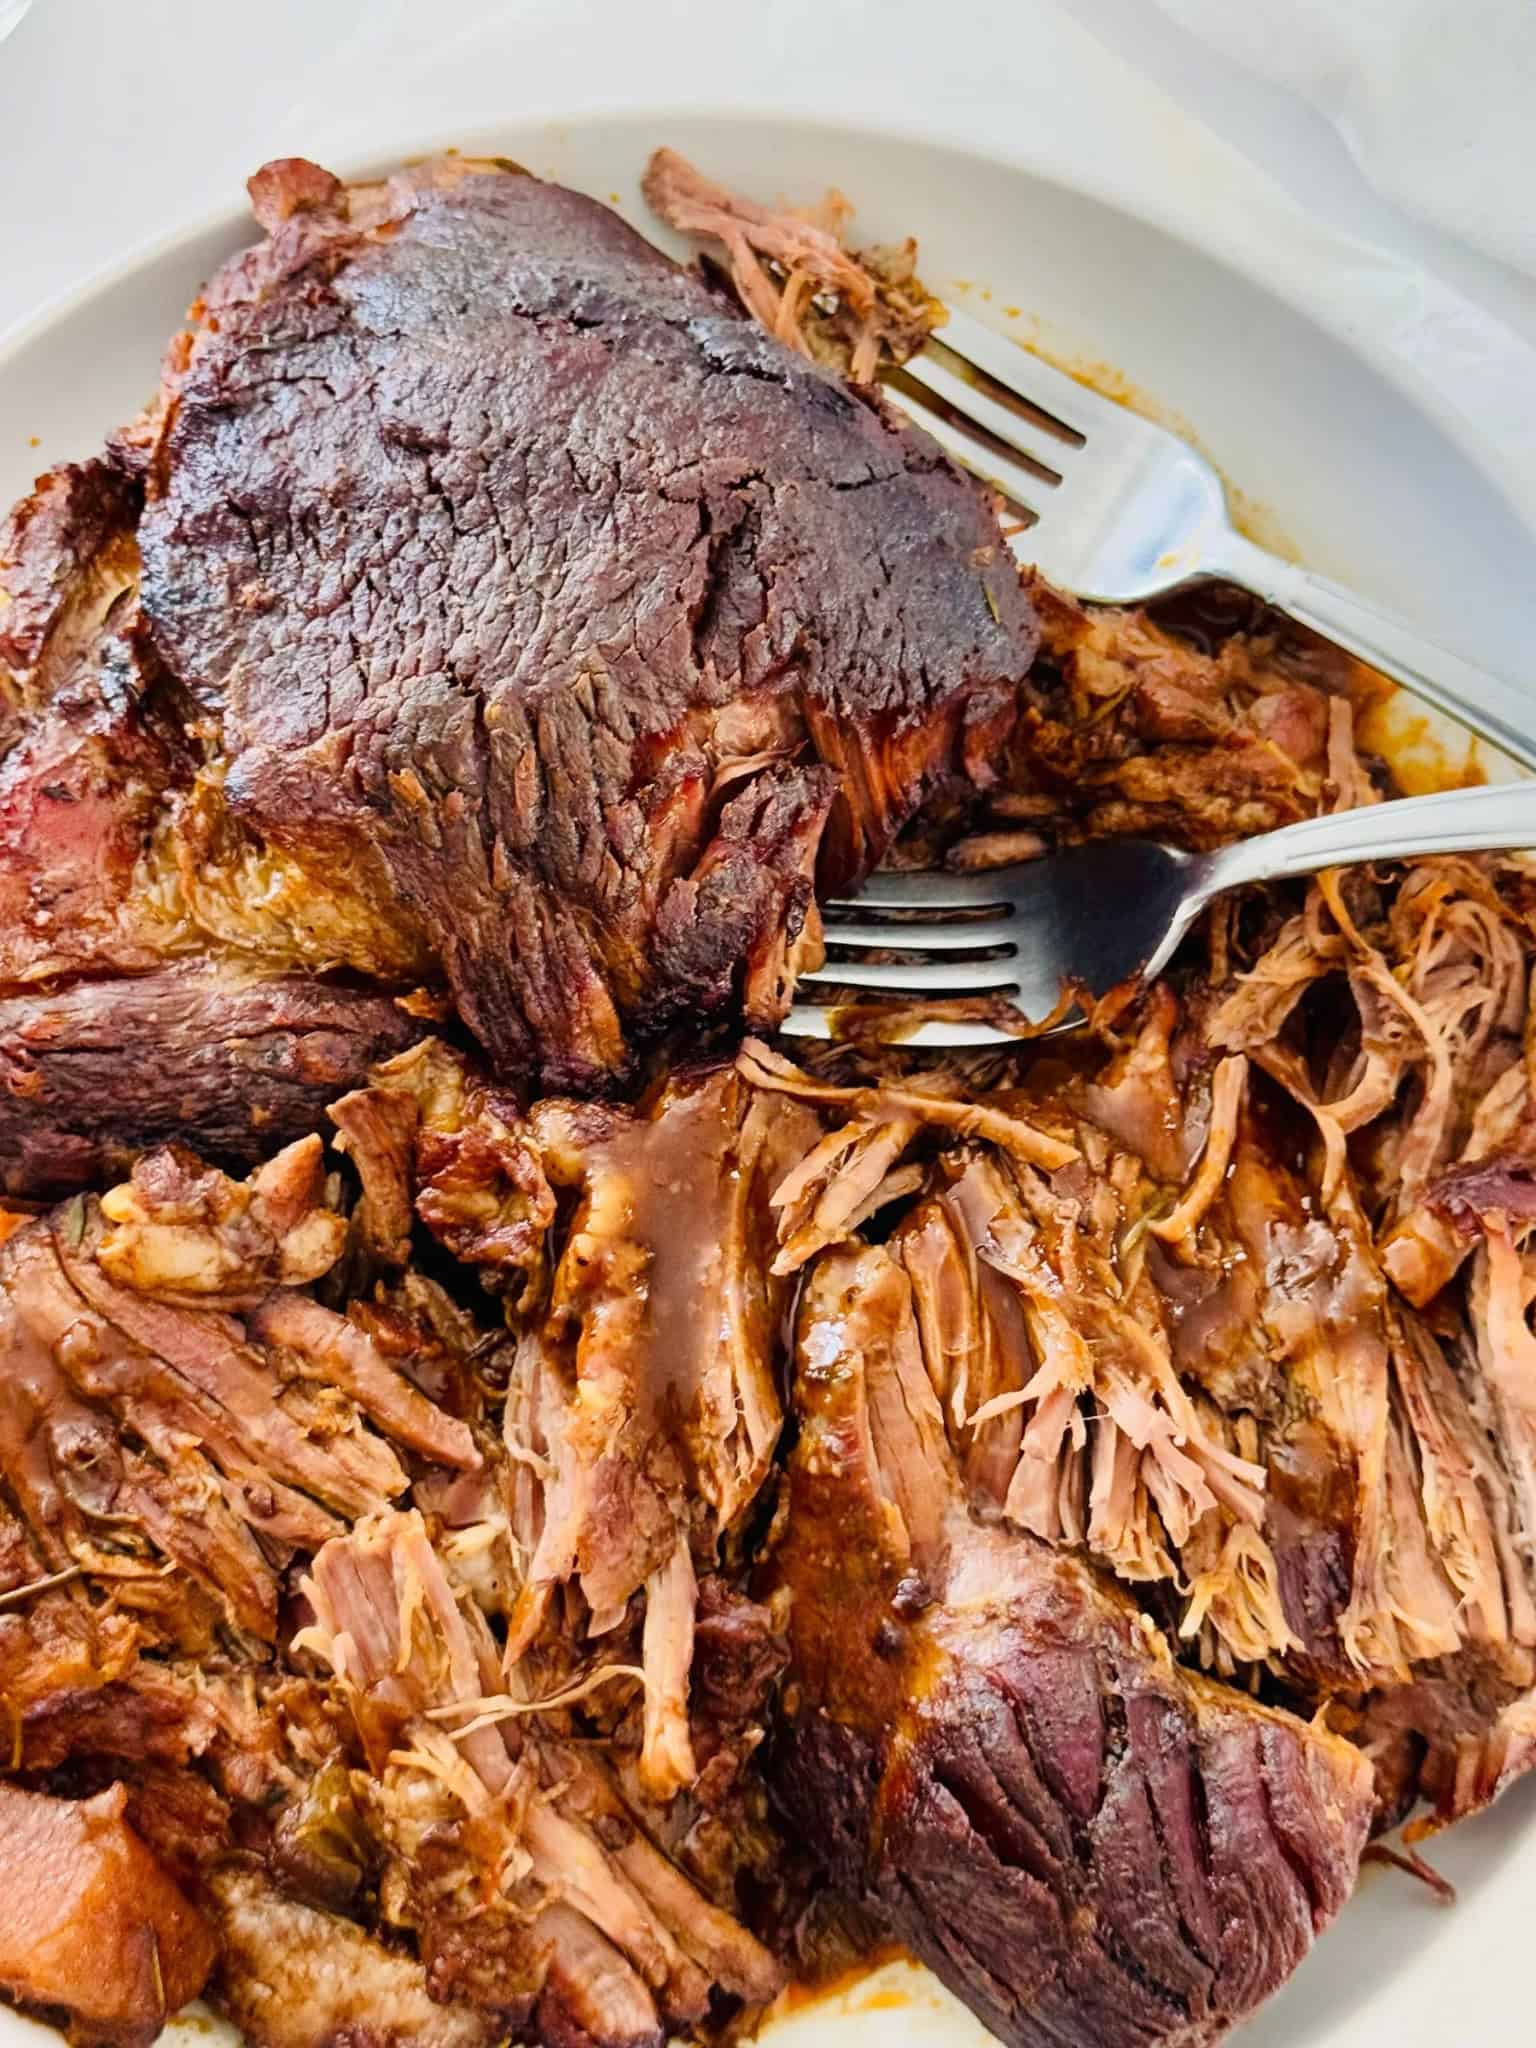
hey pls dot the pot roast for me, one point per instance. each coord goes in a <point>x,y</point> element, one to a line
<point>492,602</point>
<point>526,1515</point>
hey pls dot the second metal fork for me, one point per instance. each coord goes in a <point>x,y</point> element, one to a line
<point>1121,510</point>
<point>1098,914</point>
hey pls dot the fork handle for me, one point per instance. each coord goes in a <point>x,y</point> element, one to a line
<point>1500,712</point>
<point>1499,817</point>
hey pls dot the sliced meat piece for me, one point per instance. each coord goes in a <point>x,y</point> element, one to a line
<point>451,613</point>
<point>376,1129</point>
<point>90,1925</point>
<point>591,1995</point>
<point>992,1748</point>
<point>291,1976</point>
<point>198,1055</point>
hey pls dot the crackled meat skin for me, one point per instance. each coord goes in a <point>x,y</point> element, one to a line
<point>92,1924</point>
<point>94,1072</point>
<point>495,541</point>
<point>987,1744</point>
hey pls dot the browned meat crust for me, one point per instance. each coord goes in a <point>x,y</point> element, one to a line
<point>449,605</point>
<point>92,748</point>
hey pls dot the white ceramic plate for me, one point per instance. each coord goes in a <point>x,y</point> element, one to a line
<point>1365,478</point>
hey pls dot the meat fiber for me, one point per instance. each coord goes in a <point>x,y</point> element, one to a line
<point>601,702</point>
<point>93,1927</point>
<point>132,1402</point>
<point>991,1748</point>
<point>850,309</point>
<point>642,1405</point>
<point>547,1871</point>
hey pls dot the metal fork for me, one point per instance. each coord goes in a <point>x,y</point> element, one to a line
<point>1098,914</point>
<point>1122,511</point>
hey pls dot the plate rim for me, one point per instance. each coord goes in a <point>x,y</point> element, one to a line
<point>1515,491</point>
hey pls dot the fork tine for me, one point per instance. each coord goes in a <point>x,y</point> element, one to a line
<point>806,1020</point>
<point>1028,376</point>
<point>1021,485</point>
<point>967,936</point>
<point>1035,443</point>
<point>917,977</point>
<point>938,894</point>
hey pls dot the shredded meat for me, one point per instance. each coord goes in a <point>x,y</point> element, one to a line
<point>793,274</point>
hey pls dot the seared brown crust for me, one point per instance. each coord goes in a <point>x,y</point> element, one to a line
<point>493,537</point>
<point>69,530</point>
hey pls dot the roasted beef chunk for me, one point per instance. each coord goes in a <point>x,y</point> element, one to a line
<point>92,1926</point>
<point>602,698</point>
<point>118,859</point>
<point>200,1055</point>
<point>988,1744</point>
